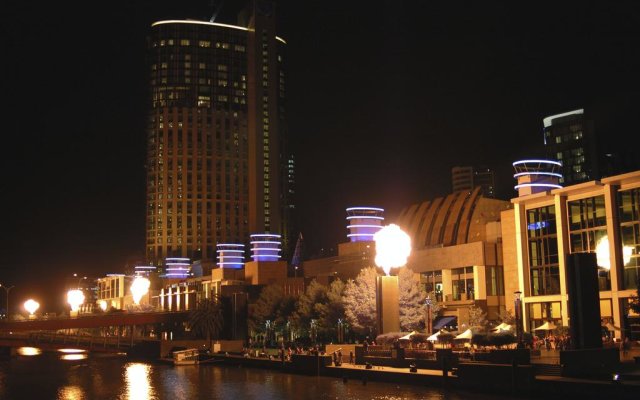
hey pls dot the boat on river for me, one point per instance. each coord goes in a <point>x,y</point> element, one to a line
<point>186,357</point>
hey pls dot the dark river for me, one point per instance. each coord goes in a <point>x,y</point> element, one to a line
<point>75,376</point>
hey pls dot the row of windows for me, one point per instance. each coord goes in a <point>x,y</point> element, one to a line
<point>587,229</point>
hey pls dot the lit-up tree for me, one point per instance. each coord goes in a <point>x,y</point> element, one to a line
<point>360,302</point>
<point>412,301</point>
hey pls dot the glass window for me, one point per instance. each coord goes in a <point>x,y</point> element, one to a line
<point>629,215</point>
<point>543,251</point>
<point>588,230</point>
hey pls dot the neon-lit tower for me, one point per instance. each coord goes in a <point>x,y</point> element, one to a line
<point>177,267</point>
<point>535,176</point>
<point>363,223</point>
<point>230,255</point>
<point>144,270</point>
<point>265,247</point>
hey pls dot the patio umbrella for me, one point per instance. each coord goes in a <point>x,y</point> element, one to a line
<point>547,326</point>
<point>408,336</point>
<point>465,335</point>
<point>434,337</point>
<point>502,327</point>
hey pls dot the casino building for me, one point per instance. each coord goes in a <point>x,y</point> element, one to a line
<point>548,223</point>
<point>218,167</point>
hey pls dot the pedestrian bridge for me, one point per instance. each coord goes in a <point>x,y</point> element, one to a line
<point>95,321</point>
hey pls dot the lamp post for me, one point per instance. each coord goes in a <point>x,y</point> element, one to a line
<point>518,314</point>
<point>429,321</point>
<point>7,289</point>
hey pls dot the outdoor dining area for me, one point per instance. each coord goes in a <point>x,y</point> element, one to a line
<point>465,345</point>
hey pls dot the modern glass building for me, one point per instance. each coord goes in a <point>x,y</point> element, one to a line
<point>217,160</point>
<point>601,217</point>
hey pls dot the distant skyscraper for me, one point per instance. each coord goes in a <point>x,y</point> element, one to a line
<point>217,160</point>
<point>570,138</point>
<point>468,178</point>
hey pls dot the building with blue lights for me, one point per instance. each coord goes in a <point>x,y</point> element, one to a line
<point>547,225</point>
<point>218,166</point>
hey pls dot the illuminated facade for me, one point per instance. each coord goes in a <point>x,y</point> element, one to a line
<point>457,252</point>
<point>217,162</point>
<point>601,217</point>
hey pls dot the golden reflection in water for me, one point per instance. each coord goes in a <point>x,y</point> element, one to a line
<point>71,351</point>
<point>29,351</point>
<point>138,381</point>
<point>70,393</point>
<point>72,357</point>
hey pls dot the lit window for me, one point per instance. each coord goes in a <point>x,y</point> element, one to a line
<point>204,43</point>
<point>184,42</point>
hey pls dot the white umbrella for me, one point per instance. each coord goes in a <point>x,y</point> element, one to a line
<point>408,336</point>
<point>547,326</point>
<point>465,335</point>
<point>502,327</point>
<point>434,337</point>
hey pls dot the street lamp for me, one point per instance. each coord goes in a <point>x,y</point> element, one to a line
<point>429,321</point>
<point>518,314</point>
<point>7,289</point>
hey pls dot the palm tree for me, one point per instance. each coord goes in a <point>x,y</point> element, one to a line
<point>207,319</point>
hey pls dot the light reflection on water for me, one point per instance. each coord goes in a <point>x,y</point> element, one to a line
<point>28,351</point>
<point>111,377</point>
<point>138,382</point>
<point>70,393</point>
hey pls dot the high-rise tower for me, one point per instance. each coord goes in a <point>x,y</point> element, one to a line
<point>570,138</point>
<point>217,156</point>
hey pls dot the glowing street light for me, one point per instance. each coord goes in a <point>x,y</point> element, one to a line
<point>393,247</point>
<point>139,288</point>
<point>603,255</point>
<point>103,305</point>
<point>31,306</point>
<point>75,298</point>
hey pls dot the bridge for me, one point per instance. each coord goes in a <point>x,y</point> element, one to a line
<point>95,321</point>
<point>111,332</point>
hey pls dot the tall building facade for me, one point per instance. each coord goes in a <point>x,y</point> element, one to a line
<point>570,138</point>
<point>468,178</point>
<point>545,228</point>
<point>216,153</point>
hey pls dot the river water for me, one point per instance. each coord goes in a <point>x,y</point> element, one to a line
<point>72,375</point>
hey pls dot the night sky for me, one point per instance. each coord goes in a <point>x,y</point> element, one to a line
<point>384,98</point>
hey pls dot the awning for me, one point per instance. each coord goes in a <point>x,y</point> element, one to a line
<point>441,322</point>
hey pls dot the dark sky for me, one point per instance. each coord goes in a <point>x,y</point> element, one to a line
<point>384,98</point>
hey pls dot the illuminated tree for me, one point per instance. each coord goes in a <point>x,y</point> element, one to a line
<point>477,318</point>
<point>412,301</point>
<point>360,302</point>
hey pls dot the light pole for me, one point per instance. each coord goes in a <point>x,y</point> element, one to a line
<point>7,289</point>
<point>429,321</point>
<point>518,314</point>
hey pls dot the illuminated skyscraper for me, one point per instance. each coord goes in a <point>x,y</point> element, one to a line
<point>570,139</point>
<point>217,157</point>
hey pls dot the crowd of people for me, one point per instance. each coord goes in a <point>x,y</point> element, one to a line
<point>552,342</point>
